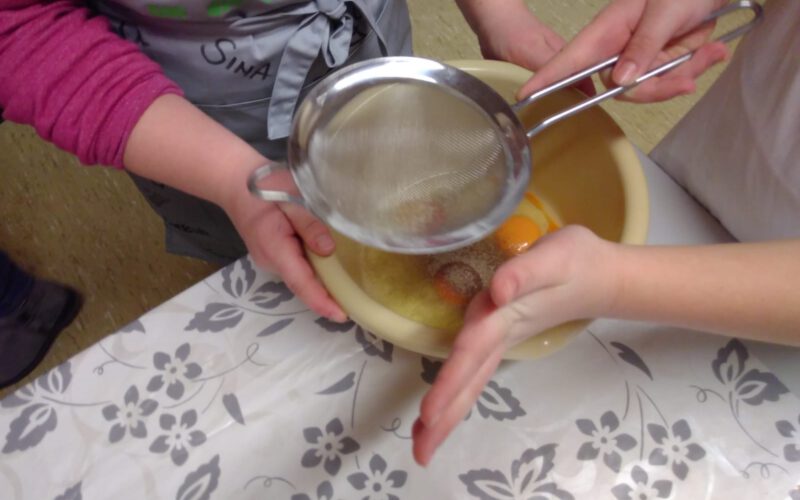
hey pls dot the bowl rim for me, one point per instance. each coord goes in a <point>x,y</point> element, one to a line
<point>434,342</point>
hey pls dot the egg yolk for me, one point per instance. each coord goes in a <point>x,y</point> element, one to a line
<point>516,235</point>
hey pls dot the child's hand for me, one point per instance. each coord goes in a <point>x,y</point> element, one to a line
<point>177,144</point>
<point>567,275</point>
<point>274,235</point>
<point>640,30</point>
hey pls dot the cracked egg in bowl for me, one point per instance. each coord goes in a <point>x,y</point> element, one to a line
<point>584,172</point>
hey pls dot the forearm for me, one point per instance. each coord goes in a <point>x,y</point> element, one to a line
<point>745,289</point>
<point>64,72</point>
<point>177,144</point>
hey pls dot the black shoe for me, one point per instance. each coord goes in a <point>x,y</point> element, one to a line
<point>26,335</point>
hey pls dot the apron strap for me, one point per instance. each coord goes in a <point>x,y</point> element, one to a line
<point>314,35</point>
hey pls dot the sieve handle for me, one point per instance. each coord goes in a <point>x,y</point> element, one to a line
<point>756,8</point>
<point>269,194</point>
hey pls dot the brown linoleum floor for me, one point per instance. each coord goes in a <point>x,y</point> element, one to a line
<point>90,228</point>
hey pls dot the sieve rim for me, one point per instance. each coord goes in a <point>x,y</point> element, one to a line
<point>341,86</point>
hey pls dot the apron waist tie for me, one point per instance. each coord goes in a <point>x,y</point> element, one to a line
<point>328,31</point>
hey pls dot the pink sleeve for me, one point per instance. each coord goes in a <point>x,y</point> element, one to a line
<point>81,86</point>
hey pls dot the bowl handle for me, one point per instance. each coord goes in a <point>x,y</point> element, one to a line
<point>270,194</point>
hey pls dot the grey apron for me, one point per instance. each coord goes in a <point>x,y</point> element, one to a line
<point>247,63</point>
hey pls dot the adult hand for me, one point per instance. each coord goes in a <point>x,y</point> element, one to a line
<point>646,34</point>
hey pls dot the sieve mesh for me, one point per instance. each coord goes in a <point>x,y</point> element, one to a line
<point>409,159</point>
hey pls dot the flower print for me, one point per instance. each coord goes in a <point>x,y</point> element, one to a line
<point>329,446</point>
<point>498,402</point>
<point>238,277</point>
<point>378,485</point>
<point>179,437</point>
<point>174,371</point>
<point>129,417</point>
<point>604,440</point>
<point>529,479</point>
<point>37,417</point>
<point>271,294</point>
<point>674,447</point>
<point>642,489</point>
<point>792,450</point>
<point>324,492</point>
<point>751,386</point>
<point>201,482</point>
<point>430,369</point>
<point>373,346</point>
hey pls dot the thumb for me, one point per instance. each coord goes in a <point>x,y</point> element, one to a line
<point>524,274</point>
<point>547,264</point>
<point>479,307</point>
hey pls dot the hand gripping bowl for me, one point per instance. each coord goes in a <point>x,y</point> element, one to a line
<point>586,171</point>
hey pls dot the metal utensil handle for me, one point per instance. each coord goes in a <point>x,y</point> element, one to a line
<point>756,8</point>
<point>270,194</point>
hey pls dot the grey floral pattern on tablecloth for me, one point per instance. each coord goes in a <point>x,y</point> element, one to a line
<point>642,487</point>
<point>751,386</point>
<point>373,346</point>
<point>791,451</point>
<point>324,492</point>
<point>328,447</point>
<point>378,483</point>
<point>174,371</point>
<point>38,415</point>
<point>234,389</point>
<point>672,445</point>
<point>133,326</point>
<point>674,448</point>
<point>605,440</point>
<point>130,417</point>
<point>529,478</point>
<point>178,437</point>
<point>201,483</point>
<point>73,493</point>
<point>494,402</point>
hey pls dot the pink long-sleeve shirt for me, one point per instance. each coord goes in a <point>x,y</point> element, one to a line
<point>65,72</point>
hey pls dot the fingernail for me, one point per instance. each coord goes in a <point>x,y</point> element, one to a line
<point>324,243</point>
<point>626,72</point>
<point>511,291</point>
<point>433,416</point>
<point>505,293</point>
<point>425,422</point>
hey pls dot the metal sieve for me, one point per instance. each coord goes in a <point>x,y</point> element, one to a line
<point>414,156</point>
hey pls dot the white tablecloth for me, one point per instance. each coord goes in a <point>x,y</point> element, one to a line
<point>234,390</point>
